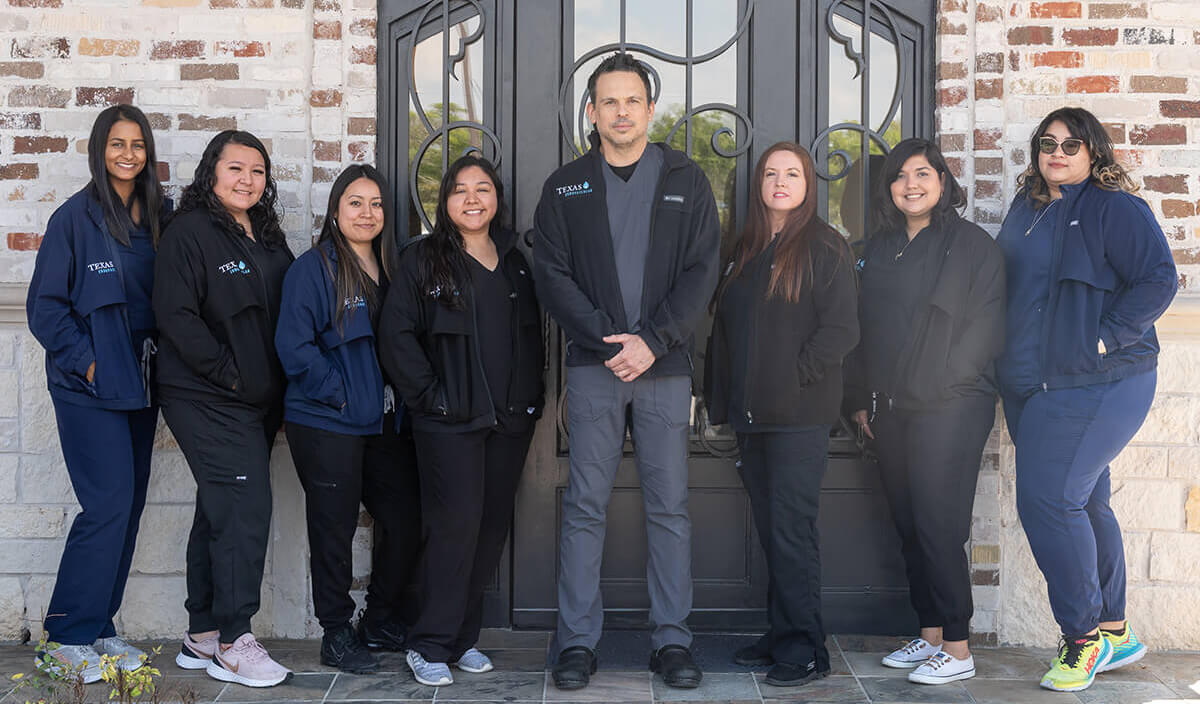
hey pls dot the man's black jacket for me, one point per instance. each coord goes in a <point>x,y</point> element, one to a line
<point>576,271</point>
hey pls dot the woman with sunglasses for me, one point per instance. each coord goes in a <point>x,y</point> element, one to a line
<point>923,386</point>
<point>1089,271</point>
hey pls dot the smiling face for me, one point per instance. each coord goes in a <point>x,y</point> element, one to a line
<point>916,190</point>
<point>783,185</point>
<point>472,203</point>
<point>621,110</point>
<point>240,178</point>
<point>124,154</point>
<point>1059,169</point>
<point>360,211</point>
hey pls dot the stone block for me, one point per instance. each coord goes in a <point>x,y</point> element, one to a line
<point>1025,610</point>
<point>1174,419</point>
<point>1175,557</point>
<point>153,607</point>
<point>1183,462</point>
<point>1140,461</point>
<point>986,597</point>
<point>31,555</point>
<point>44,480</point>
<point>38,589</point>
<point>9,469</point>
<point>12,607</point>
<point>162,539</point>
<point>32,521</point>
<point>1165,615</point>
<point>1179,360</point>
<point>987,495</point>
<point>171,480</point>
<point>1137,555</point>
<point>1149,504</point>
<point>1192,509</point>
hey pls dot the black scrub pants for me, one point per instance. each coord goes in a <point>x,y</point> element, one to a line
<point>228,448</point>
<point>339,471</point>
<point>929,464</point>
<point>468,484</point>
<point>782,473</point>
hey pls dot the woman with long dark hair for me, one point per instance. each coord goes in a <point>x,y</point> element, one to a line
<point>922,384</point>
<point>343,426</point>
<point>1089,271</point>
<point>461,339</point>
<point>785,318</point>
<point>217,288</point>
<point>89,306</point>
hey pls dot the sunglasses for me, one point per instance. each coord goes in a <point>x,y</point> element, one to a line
<point>1070,146</point>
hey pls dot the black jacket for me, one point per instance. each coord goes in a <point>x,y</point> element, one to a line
<point>957,330</point>
<point>576,270</point>
<point>793,374</point>
<point>216,313</point>
<point>430,351</point>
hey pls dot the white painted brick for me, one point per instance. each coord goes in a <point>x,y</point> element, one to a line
<point>169,97</point>
<point>275,23</point>
<point>78,70</point>
<point>219,24</point>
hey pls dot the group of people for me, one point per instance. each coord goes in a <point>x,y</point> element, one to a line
<point>409,374</point>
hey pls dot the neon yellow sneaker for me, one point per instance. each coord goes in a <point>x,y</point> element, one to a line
<point>1078,661</point>
<point>1127,649</point>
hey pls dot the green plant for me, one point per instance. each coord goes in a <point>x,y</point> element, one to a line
<point>144,685</point>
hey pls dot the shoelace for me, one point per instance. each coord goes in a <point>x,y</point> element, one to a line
<point>938,659</point>
<point>913,646</point>
<point>252,650</point>
<point>1073,651</point>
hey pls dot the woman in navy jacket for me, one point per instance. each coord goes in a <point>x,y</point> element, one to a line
<point>1089,271</point>
<point>89,306</point>
<point>343,421</point>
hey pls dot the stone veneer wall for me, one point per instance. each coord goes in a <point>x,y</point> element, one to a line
<point>300,74</point>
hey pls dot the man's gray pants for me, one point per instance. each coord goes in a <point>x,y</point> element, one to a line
<point>596,406</point>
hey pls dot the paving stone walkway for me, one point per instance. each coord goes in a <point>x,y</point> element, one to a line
<point>1005,676</point>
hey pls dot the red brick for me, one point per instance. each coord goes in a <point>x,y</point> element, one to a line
<point>986,189</point>
<point>953,6</point>
<point>108,47</point>
<point>40,48</point>
<point>991,62</point>
<point>951,70</point>
<point>163,170</point>
<point>103,97</point>
<point>186,49</point>
<point>1057,59</point>
<point>1179,108</point>
<point>1014,60</point>
<point>204,123</point>
<point>951,96</point>
<point>1090,37</point>
<point>952,142</point>
<point>20,121</point>
<point>240,49</point>
<point>159,121</point>
<point>363,28</point>
<point>1130,158</point>
<point>23,172</point>
<point>1116,131</point>
<point>362,55</point>
<point>24,241</point>
<point>987,216</point>
<point>22,69</point>
<point>1158,84</point>
<point>1172,208</point>
<point>39,145</point>
<point>322,174</point>
<point>1157,134</point>
<point>988,139</point>
<point>292,4</point>
<point>1176,183</point>
<point>1036,35</point>
<point>955,164</point>
<point>325,98</point>
<point>989,89</point>
<point>35,3</point>
<point>945,26</point>
<point>327,150</point>
<point>361,126</point>
<point>38,97</point>
<point>216,72</point>
<point>361,151</point>
<point>1052,10</point>
<point>988,13</point>
<point>327,30</point>
<point>988,166</point>
<point>1116,10</point>
<point>1094,84</point>
<point>327,6</point>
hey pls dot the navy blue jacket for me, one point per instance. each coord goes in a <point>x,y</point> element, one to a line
<point>1112,276</point>
<point>76,309</point>
<point>334,382</point>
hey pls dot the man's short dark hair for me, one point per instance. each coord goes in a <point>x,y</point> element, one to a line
<point>619,61</point>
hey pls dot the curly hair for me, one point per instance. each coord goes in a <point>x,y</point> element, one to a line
<point>1106,172</point>
<point>264,217</point>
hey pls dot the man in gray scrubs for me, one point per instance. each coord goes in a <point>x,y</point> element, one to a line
<point>625,260</point>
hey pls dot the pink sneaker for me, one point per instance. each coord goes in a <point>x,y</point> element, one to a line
<point>196,654</point>
<point>247,663</point>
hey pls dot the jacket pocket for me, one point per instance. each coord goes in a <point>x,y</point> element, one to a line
<point>451,352</point>
<point>245,329</point>
<point>354,356</point>
<point>1084,284</point>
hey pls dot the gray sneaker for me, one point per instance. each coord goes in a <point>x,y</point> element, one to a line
<point>433,674</point>
<point>66,662</point>
<point>474,661</point>
<point>128,657</point>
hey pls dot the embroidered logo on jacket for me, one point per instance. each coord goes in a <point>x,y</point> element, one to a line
<point>355,302</point>
<point>669,198</point>
<point>576,189</point>
<point>102,267</point>
<point>231,267</point>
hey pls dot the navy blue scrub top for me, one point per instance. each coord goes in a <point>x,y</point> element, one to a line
<point>1027,261</point>
<point>137,268</point>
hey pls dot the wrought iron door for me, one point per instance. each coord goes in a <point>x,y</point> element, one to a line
<point>730,77</point>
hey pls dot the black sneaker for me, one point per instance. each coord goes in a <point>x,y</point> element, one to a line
<point>784,674</point>
<point>382,635</point>
<point>341,648</point>
<point>757,654</point>
<point>675,664</point>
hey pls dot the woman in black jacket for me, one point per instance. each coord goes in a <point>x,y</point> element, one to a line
<point>785,317</point>
<point>217,286</point>
<point>922,385</point>
<point>460,337</point>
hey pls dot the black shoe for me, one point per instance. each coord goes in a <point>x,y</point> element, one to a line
<point>785,674</point>
<point>675,664</point>
<point>754,655</point>
<point>382,635</point>
<point>574,668</point>
<point>341,648</point>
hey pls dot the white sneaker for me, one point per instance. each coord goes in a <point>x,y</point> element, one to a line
<point>128,657</point>
<point>916,652</point>
<point>67,662</point>
<point>433,674</point>
<point>474,661</point>
<point>942,667</point>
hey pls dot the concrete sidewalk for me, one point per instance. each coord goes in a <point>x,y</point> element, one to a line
<point>1005,676</point>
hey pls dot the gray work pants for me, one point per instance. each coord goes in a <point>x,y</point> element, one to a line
<point>596,406</point>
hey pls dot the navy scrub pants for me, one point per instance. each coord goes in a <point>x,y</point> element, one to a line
<point>1065,439</point>
<point>108,459</point>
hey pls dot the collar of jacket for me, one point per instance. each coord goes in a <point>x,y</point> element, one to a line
<point>672,157</point>
<point>94,210</point>
<point>505,238</point>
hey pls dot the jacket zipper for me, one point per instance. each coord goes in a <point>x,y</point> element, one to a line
<point>116,261</point>
<point>750,366</point>
<point>658,195</point>
<point>479,357</point>
<point>1052,299</point>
